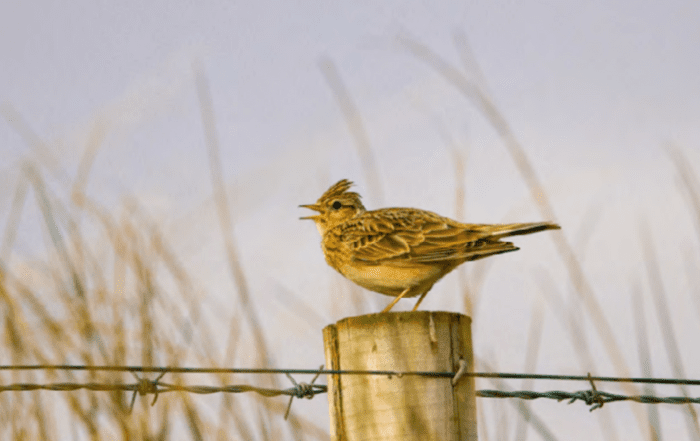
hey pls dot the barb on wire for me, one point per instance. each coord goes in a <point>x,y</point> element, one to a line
<point>592,396</point>
<point>303,390</point>
<point>145,387</point>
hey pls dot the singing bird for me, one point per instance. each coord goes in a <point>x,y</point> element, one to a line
<point>402,252</point>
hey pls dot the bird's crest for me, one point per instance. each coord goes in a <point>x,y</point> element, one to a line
<point>339,189</point>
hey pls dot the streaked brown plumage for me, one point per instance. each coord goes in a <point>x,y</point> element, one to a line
<point>402,252</point>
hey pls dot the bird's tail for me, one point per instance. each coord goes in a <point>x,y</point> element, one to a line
<point>505,230</point>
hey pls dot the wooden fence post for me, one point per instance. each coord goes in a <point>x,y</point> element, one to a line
<point>406,408</point>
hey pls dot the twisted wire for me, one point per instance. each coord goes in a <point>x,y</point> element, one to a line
<point>144,386</point>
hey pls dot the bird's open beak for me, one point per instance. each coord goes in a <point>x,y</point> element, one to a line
<point>311,207</point>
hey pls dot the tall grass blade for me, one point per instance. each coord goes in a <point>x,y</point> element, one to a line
<point>356,127</point>
<point>666,324</point>
<point>224,215</point>
<point>645,362</point>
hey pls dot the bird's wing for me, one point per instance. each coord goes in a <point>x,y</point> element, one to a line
<point>409,236</point>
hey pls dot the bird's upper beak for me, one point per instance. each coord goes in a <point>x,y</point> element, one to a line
<point>311,207</point>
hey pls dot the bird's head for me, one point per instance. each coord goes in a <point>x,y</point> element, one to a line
<point>335,206</point>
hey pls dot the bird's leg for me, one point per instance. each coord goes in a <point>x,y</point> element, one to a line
<point>399,297</point>
<point>420,299</point>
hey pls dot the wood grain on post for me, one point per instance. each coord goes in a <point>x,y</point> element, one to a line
<point>406,408</point>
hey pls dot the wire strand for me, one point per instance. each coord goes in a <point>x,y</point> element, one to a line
<point>144,386</point>
<point>196,370</point>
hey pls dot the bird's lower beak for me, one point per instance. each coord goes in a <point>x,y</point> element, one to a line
<point>311,207</point>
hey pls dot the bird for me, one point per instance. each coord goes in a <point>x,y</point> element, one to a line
<point>402,252</point>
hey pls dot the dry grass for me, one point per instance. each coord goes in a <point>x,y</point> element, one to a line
<point>111,291</point>
<point>472,85</point>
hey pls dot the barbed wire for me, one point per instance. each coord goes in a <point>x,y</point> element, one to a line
<point>389,373</point>
<point>594,399</point>
<point>144,386</point>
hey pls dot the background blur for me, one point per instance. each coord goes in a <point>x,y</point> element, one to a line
<point>113,250</point>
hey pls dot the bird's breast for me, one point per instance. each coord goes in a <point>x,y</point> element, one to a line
<point>389,279</point>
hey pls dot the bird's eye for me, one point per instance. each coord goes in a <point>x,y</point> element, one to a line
<point>336,205</point>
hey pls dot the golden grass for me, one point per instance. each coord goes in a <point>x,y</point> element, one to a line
<point>119,296</point>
